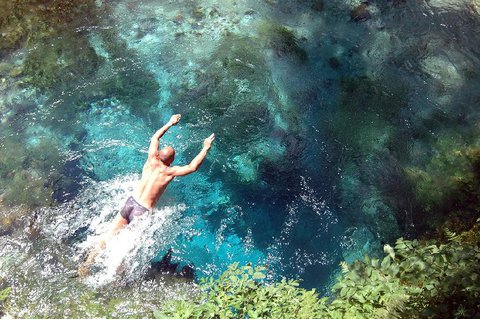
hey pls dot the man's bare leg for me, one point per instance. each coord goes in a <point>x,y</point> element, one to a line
<point>84,268</point>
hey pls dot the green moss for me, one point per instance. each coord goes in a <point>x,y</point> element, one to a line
<point>374,189</point>
<point>26,20</point>
<point>12,157</point>
<point>27,174</point>
<point>58,62</point>
<point>57,55</point>
<point>365,113</point>
<point>233,95</point>
<point>4,294</point>
<point>234,88</point>
<point>280,39</point>
<point>61,59</point>
<point>27,189</point>
<point>128,79</point>
<point>448,184</point>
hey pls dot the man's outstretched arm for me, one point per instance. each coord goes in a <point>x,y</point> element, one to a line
<point>196,162</point>
<point>153,148</point>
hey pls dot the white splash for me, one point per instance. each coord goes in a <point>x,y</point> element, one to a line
<point>126,255</point>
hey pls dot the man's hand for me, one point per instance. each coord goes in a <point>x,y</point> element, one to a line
<point>207,143</point>
<point>175,119</point>
<point>153,148</point>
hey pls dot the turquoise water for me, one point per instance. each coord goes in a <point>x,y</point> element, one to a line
<point>317,118</point>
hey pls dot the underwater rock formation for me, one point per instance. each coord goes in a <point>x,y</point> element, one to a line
<point>318,5</point>
<point>281,40</point>
<point>360,13</point>
<point>372,189</point>
<point>447,184</point>
<point>233,98</point>
<point>60,62</point>
<point>166,267</point>
<point>28,174</point>
<point>32,20</point>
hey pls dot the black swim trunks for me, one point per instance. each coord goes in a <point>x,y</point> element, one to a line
<point>131,209</point>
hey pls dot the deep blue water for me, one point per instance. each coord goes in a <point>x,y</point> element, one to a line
<point>317,118</point>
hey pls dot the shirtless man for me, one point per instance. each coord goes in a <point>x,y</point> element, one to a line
<point>156,175</point>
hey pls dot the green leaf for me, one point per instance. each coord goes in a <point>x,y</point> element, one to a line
<point>385,263</point>
<point>387,249</point>
<point>258,275</point>
<point>159,315</point>
<point>5,293</point>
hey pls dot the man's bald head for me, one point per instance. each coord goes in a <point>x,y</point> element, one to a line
<point>167,155</point>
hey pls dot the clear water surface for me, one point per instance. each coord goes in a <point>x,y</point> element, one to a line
<point>315,114</point>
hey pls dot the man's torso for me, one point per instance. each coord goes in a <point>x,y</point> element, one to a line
<point>154,181</point>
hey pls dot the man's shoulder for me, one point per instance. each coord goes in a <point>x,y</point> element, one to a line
<point>170,170</point>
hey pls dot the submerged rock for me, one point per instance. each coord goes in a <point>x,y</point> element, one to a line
<point>360,13</point>
<point>166,267</point>
<point>318,5</point>
<point>334,63</point>
<point>281,40</point>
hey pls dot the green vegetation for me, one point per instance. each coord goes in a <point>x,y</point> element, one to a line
<point>4,294</point>
<point>127,79</point>
<point>27,21</point>
<point>28,172</point>
<point>56,63</point>
<point>240,293</point>
<point>365,125</point>
<point>448,183</point>
<point>405,173</point>
<point>232,87</point>
<point>414,280</point>
<point>61,58</point>
<point>234,96</point>
<point>365,114</point>
<point>281,40</point>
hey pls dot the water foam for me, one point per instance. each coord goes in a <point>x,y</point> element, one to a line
<point>83,221</point>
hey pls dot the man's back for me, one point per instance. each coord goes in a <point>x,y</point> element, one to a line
<point>155,178</point>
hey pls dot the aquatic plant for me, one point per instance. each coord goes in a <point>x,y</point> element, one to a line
<point>31,20</point>
<point>414,279</point>
<point>60,58</point>
<point>372,189</point>
<point>281,40</point>
<point>57,55</point>
<point>28,173</point>
<point>366,112</point>
<point>26,188</point>
<point>128,80</point>
<point>233,96</point>
<point>447,185</point>
<point>58,62</point>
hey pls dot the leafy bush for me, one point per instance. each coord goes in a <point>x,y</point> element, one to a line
<point>240,293</point>
<point>4,294</point>
<point>414,279</point>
